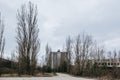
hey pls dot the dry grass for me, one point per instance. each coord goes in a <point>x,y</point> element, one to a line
<point>105,78</point>
<point>9,75</point>
<point>45,75</point>
<point>37,75</point>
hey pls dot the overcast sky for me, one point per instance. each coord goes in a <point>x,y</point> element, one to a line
<point>59,18</point>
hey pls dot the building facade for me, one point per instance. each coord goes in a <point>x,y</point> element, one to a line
<point>108,62</point>
<point>57,58</point>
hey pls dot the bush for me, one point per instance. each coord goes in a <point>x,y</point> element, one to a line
<point>49,70</point>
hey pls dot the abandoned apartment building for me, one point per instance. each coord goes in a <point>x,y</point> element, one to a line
<point>108,62</point>
<point>56,58</point>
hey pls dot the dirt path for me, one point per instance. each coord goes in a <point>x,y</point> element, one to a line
<point>59,77</point>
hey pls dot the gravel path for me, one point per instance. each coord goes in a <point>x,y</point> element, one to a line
<point>59,77</point>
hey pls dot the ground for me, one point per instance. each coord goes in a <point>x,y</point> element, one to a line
<point>59,77</point>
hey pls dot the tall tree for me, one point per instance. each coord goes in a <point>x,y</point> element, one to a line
<point>47,58</point>
<point>2,39</point>
<point>69,51</point>
<point>77,51</point>
<point>82,50</point>
<point>27,37</point>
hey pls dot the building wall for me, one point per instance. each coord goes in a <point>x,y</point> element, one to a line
<point>108,62</point>
<point>57,58</point>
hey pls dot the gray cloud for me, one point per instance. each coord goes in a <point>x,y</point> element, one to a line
<point>60,18</point>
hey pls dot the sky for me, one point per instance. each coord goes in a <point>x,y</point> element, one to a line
<point>58,19</point>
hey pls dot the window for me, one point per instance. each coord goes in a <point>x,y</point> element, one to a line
<point>105,63</point>
<point>117,63</point>
<point>99,63</point>
<point>102,63</point>
<point>114,63</point>
<point>111,63</point>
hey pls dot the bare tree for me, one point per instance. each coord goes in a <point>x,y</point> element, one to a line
<point>13,60</point>
<point>114,54</point>
<point>115,70</point>
<point>83,50</point>
<point>48,50</point>
<point>27,37</point>
<point>69,52</point>
<point>110,55</point>
<point>119,55</point>
<point>97,57</point>
<point>2,39</point>
<point>77,51</point>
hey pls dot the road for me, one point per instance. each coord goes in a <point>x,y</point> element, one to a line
<point>59,77</point>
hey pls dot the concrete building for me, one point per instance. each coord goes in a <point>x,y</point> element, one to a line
<point>108,62</point>
<point>57,58</point>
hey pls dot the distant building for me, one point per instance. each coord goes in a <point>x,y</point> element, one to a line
<point>57,58</point>
<point>7,65</point>
<point>108,62</point>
